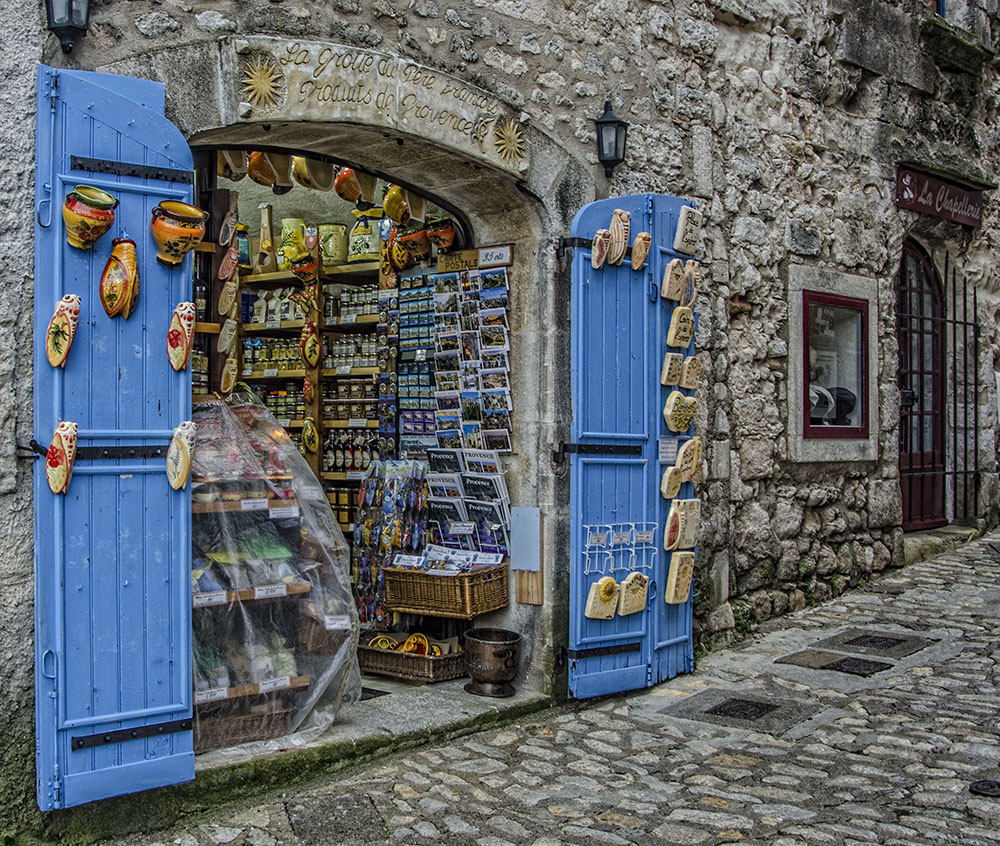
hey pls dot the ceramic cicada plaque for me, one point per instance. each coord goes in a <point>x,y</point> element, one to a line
<point>679,578</point>
<point>599,249</point>
<point>229,373</point>
<point>692,276</point>
<point>180,454</point>
<point>690,373</point>
<point>618,236</point>
<point>60,457</point>
<point>690,522</point>
<point>673,280</point>
<point>672,531</point>
<point>632,594</point>
<point>116,280</point>
<point>310,436</point>
<point>670,483</point>
<point>229,296</point>
<point>689,459</point>
<point>62,329</point>
<point>640,249</point>
<point>602,601</point>
<point>679,411</point>
<point>681,329</point>
<point>670,373</point>
<point>230,262</point>
<point>307,390</point>
<point>180,336</point>
<point>227,337</point>
<point>309,344</point>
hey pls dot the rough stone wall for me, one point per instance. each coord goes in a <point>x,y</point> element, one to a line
<point>783,118</point>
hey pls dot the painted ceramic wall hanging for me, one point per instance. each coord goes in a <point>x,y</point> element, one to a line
<point>60,457</point>
<point>690,373</point>
<point>229,373</point>
<point>441,233</point>
<point>227,337</point>
<point>618,236</point>
<point>310,436</point>
<point>417,244</point>
<point>180,336</point>
<point>281,164</point>
<point>679,578</point>
<point>632,594</point>
<point>679,411</point>
<point>229,263</point>
<point>313,173</point>
<point>227,229</point>
<point>306,268</point>
<point>640,249</point>
<point>233,164</point>
<point>367,182</point>
<point>180,454</point>
<point>309,345</point>
<point>88,213</point>
<point>266,260</point>
<point>307,298</point>
<point>681,327</point>
<point>672,530</point>
<point>346,184</point>
<point>672,286</point>
<point>599,248</point>
<point>62,329</point>
<point>116,280</point>
<point>689,459</point>
<point>670,373</point>
<point>417,205</point>
<point>177,229</point>
<point>690,522</point>
<point>692,277</point>
<point>602,601</point>
<point>229,296</point>
<point>307,390</point>
<point>395,205</point>
<point>670,483</point>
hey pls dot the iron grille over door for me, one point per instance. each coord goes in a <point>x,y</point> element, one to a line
<point>926,409</point>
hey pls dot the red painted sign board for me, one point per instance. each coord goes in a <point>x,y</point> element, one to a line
<point>931,195</point>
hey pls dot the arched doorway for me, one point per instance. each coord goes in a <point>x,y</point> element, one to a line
<point>920,316</point>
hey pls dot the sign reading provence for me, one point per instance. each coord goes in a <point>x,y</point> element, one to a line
<point>931,195</point>
<point>315,81</point>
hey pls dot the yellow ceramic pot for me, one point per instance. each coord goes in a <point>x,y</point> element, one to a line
<point>88,213</point>
<point>177,229</point>
<point>395,204</point>
<point>312,173</point>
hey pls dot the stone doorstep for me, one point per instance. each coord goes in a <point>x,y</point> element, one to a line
<point>919,546</point>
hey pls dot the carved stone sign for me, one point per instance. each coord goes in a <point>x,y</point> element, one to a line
<point>931,195</point>
<point>316,81</point>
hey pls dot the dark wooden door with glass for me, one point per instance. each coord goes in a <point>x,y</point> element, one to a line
<point>920,322</point>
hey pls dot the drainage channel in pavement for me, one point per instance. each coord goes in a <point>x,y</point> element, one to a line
<point>741,710</point>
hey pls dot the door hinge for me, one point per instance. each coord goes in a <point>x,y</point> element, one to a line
<point>649,675</point>
<point>121,735</point>
<point>601,651</point>
<point>99,453</point>
<point>594,449</point>
<point>162,174</point>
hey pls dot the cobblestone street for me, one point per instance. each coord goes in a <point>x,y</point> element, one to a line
<point>746,749</point>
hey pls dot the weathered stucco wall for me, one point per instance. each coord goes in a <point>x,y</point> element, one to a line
<point>783,118</point>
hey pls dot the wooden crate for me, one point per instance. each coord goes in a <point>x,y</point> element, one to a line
<point>462,596</point>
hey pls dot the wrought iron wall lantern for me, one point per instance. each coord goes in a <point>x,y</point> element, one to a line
<point>611,132</point>
<point>69,20</point>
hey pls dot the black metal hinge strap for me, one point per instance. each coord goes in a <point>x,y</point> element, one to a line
<point>137,733</point>
<point>598,651</point>
<point>102,453</point>
<point>595,449</point>
<point>163,174</point>
<point>566,244</point>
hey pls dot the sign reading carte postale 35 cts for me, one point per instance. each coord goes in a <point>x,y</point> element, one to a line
<point>316,81</point>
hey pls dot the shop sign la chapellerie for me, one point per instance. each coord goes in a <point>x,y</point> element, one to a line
<point>935,196</point>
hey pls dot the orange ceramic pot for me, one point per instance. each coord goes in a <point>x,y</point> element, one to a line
<point>177,229</point>
<point>88,213</point>
<point>346,185</point>
<point>417,244</point>
<point>441,233</point>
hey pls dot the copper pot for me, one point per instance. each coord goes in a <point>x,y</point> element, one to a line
<point>491,661</point>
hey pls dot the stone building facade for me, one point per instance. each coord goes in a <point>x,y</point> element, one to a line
<point>784,119</point>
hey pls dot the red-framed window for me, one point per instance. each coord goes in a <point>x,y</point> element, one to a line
<point>835,365</point>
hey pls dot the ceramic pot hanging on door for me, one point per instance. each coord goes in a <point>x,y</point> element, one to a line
<point>88,213</point>
<point>177,229</point>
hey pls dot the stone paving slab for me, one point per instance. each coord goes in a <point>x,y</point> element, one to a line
<point>886,759</point>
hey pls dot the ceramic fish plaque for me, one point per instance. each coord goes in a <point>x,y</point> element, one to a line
<point>673,280</point>
<point>670,373</point>
<point>692,276</point>
<point>632,594</point>
<point>681,327</point>
<point>180,336</point>
<point>640,249</point>
<point>117,279</point>
<point>602,601</point>
<point>60,457</point>
<point>670,484</point>
<point>679,578</point>
<point>679,411</point>
<point>180,453</point>
<point>599,249</point>
<point>618,236</point>
<point>62,329</point>
<point>689,459</point>
<point>309,345</point>
<point>690,373</point>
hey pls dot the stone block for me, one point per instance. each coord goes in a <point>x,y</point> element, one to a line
<point>885,508</point>
<point>787,519</point>
<point>720,619</point>
<point>756,458</point>
<point>718,577</point>
<point>802,240</point>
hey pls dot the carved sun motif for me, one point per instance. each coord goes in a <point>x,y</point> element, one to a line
<point>508,137</point>
<point>261,82</point>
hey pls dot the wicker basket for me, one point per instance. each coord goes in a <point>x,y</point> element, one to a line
<point>463,596</point>
<point>409,666</point>
<point>216,731</point>
<point>316,639</point>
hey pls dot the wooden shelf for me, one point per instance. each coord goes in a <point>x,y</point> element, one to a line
<point>346,424</point>
<point>365,321</point>
<point>231,479</point>
<point>276,374</point>
<point>353,476</point>
<point>274,276</point>
<point>264,327</point>
<point>208,328</point>
<point>355,371</point>
<point>350,269</point>
<point>220,694</point>
<point>224,597</point>
<point>205,247</point>
<point>337,273</point>
<point>246,504</point>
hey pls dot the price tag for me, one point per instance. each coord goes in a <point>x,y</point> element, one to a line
<point>350,318</point>
<point>621,538</point>
<point>461,528</point>
<point>357,422</point>
<point>270,373</point>
<point>344,370</point>
<point>215,597</point>
<point>597,539</point>
<point>355,475</point>
<point>247,371</point>
<point>270,591</point>
<point>645,538</point>
<point>495,256</point>
<point>667,452</point>
<point>272,324</point>
<point>333,623</point>
<point>284,511</point>
<point>286,423</point>
<point>213,694</point>
<point>279,683</point>
<point>253,504</point>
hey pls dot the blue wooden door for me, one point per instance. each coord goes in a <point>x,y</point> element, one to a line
<point>112,554</point>
<point>619,327</point>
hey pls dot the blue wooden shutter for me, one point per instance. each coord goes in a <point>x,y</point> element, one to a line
<point>619,327</point>
<point>112,555</point>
